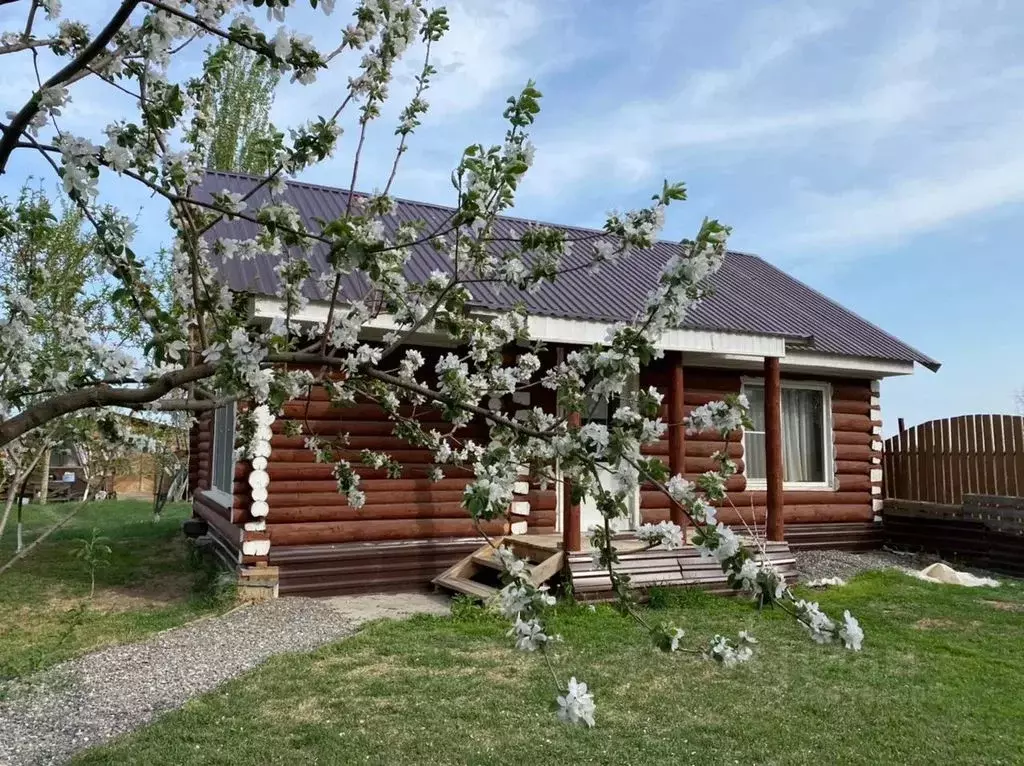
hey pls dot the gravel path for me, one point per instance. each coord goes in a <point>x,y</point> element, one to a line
<point>46,718</point>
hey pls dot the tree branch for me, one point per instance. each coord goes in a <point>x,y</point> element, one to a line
<point>98,45</point>
<point>99,396</point>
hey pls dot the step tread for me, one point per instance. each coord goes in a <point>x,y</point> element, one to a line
<point>465,585</point>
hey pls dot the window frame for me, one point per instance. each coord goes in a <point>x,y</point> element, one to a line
<point>827,435</point>
<point>222,467</point>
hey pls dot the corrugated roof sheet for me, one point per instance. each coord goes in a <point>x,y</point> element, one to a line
<point>751,295</point>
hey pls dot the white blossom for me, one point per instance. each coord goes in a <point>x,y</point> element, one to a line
<point>577,704</point>
<point>851,633</point>
<point>817,623</point>
<point>529,634</point>
<point>722,650</point>
<point>52,8</point>
<point>714,416</point>
<point>664,533</point>
<point>681,490</point>
<point>675,635</point>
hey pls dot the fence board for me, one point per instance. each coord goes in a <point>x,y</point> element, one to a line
<point>913,480</point>
<point>1018,458</point>
<point>971,455</point>
<point>943,461</point>
<point>956,458</point>
<point>1012,480</point>
<point>984,531</point>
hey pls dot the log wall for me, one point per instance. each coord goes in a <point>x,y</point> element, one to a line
<point>322,545</point>
<point>200,452</point>
<point>856,454</point>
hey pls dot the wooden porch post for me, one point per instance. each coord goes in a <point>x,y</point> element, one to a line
<point>571,533</point>
<point>773,447</point>
<point>676,432</point>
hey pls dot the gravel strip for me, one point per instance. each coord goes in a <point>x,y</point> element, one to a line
<point>814,565</point>
<point>84,702</point>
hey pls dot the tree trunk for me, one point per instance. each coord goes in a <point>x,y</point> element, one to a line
<point>12,495</point>
<point>17,485</point>
<point>43,536</point>
<point>44,484</point>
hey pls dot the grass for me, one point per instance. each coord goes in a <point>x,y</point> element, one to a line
<point>147,584</point>
<point>938,682</point>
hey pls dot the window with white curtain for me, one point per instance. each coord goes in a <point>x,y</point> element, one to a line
<point>223,478</point>
<point>806,434</point>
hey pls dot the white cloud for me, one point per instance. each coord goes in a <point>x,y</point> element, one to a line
<point>765,38</point>
<point>980,175</point>
<point>896,120</point>
<point>487,51</point>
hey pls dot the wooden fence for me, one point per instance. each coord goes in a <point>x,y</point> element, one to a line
<point>941,461</point>
<point>984,531</point>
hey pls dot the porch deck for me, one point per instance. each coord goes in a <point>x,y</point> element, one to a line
<point>647,568</point>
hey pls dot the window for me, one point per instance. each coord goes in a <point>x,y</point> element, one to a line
<point>806,434</point>
<point>224,449</point>
<point>599,410</point>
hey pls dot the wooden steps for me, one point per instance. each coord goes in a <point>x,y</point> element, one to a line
<point>683,567</point>
<point>467,576</point>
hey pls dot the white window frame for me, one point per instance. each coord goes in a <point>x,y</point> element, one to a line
<point>222,466</point>
<point>827,436</point>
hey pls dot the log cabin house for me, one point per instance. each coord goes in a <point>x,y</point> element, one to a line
<point>810,470</point>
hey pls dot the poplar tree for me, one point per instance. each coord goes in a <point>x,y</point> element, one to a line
<point>240,93</point>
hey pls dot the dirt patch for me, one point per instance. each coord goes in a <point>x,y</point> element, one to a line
<point>162,593</point>
<point>1005,606</point>
<point>931,624</point>
<point>393,606</point>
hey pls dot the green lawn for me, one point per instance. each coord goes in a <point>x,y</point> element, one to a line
<point>146,585</point>
<point>939,681</point>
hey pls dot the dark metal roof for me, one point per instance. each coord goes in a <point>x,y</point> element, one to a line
<point>750,295</point>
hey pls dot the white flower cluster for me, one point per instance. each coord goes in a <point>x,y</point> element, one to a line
<point>675,635</point>
<point>731,654</point>
<point>530,635</point>
<point>79,166</point>
<point>762,580</point>
<point>664,533</point>
<point>681,490</point>
<point>715,416</point>
<point>722,543</point>
<point>824,630</point>
<point>410,364</point>
<point>577,704</point>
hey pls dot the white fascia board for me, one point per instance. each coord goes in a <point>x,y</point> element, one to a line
<point>584,333</point>
<point>813,363</point>
<point>572,331</point>
<point>856,366</point>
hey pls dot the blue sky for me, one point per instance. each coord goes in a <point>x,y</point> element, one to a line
<point>872,149</point>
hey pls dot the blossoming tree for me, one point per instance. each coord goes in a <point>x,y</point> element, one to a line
<point>201,352</point>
